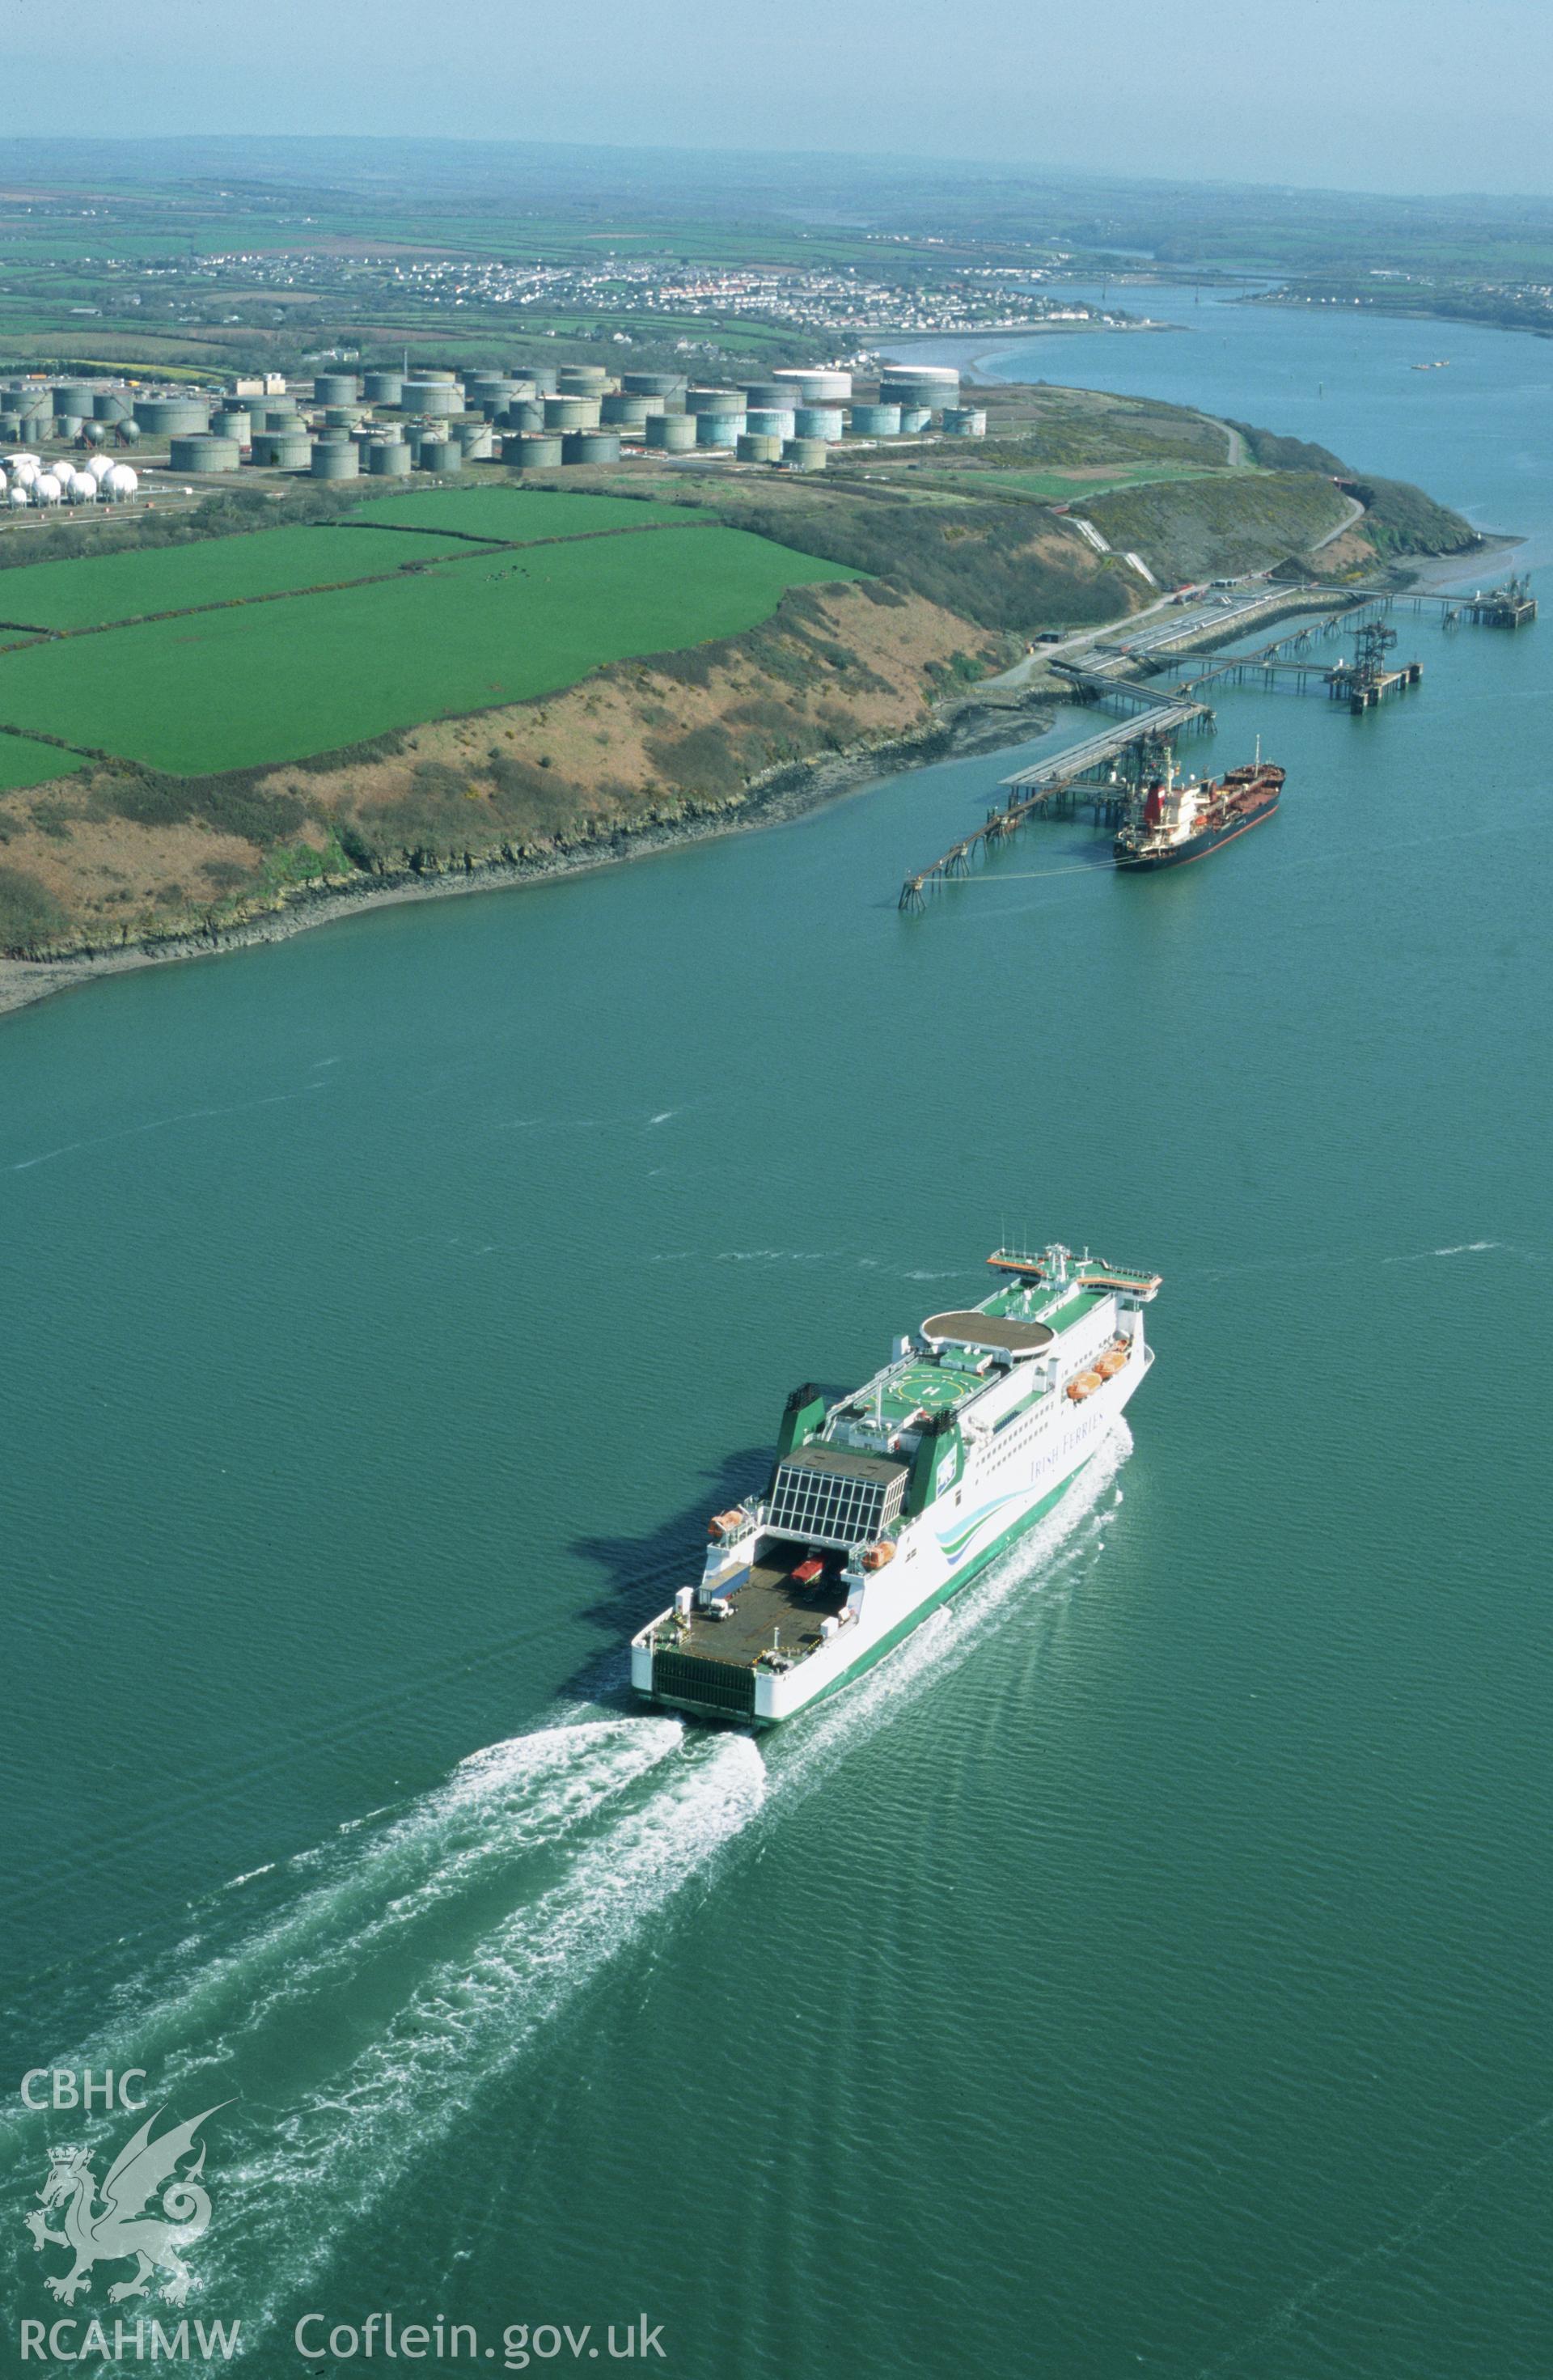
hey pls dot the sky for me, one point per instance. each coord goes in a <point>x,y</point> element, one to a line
<point>1402,95</point>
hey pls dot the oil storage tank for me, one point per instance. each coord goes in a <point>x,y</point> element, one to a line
<point>533,450</point>
<point>714,400</point>
<point>933,385</point>
<point>436,394</point>
<point>581,380</point>
<point>818,421</point>
<point>964,421</point>
<point>815,387</point>
<point>674,432</point>
<point>668,385</point>
<point>284,449</point>
<point>770,421</point>
<point>489,388</point>
<point>572,412</point>
<point>754,448</point>
<point>528,413</point>
<point>388,458</point>
<point>440,455</point>
<point>201,452</point>
<point>74,398</point>
<point>876,421</point>
<point>382,388</point>
<point>111,405</point>
<point>335,460</point>
<point>717,429</point>
<point>627,412</point>
<point>477,441</point>
<point>233,424</point>
<point>171,417</point>
<point>335,388</point>
<point>591,446</point>
<point>805,454</point>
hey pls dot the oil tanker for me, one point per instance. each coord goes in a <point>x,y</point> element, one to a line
<point>882,1503</point>
<point>1186,818</point>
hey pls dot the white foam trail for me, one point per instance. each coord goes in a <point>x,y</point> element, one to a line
<point>368,2039</point>
<point>161,1124</point>
<point>496,1808</point>
<point>349,2140</point>
<point>1459,1248</point>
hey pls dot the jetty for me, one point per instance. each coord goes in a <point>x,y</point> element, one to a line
<point>1104,773</point>
<point>1087,775</point>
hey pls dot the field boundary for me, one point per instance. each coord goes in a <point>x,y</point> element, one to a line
<point>32,635</point>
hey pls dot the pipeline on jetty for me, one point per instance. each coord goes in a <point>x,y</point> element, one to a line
<point>1106,771</point>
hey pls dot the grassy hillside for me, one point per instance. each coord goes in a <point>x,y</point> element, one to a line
<point>1200,528</point>
<point>1003,565</point>
<point>288,686</point>
<point>118,856</point>
<point>262,680</point>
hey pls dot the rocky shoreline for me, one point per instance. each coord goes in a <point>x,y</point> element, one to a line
<point>975,723</point>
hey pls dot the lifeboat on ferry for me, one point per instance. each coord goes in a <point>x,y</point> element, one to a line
<point>1111,1362</point>
<point>1085,1386</point>
<point>877,1556</point>
<point>727,1524</point>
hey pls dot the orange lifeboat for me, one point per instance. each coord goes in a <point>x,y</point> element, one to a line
<point>877,1556</point>
<point>1113,1361</point>
<point>727,1524</point>
<point>1085,1386</point>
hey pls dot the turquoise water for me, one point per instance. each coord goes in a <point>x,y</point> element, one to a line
<point>1146,1968</point>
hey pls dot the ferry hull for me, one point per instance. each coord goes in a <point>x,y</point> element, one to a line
<point>947,1561</point>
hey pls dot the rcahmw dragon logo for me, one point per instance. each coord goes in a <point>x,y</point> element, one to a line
<point>118,2228</point>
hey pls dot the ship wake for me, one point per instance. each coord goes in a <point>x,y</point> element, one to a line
<point>395,1973</point>
<point>354,2001</point>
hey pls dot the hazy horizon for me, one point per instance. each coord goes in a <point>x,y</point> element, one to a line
<point>1407,99</point>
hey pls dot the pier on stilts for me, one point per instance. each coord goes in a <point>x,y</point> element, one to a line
<point>1106,772</point>
<point>1100,775</point>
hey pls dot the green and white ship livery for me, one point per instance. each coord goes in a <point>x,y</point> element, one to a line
<point>880,1506</point>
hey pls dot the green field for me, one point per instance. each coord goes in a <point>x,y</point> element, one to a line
<point>23,763</point>
<point>88,592</point>
<point>517,516</point>
<point>274,681</point>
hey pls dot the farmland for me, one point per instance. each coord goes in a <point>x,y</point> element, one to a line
<point>514,515</point>
<point>137,586</point>
<point>118,586</point>
<point>22,762</point>
<point>258,682</point>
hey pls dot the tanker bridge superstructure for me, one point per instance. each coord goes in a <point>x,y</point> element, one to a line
<point>1106,772</point>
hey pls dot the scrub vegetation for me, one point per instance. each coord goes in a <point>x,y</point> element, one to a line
<point>287,691</point>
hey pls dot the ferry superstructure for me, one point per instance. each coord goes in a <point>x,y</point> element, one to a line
<point>882,1505</point>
